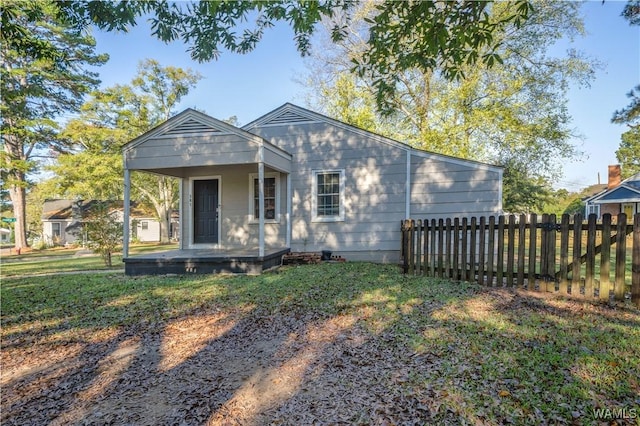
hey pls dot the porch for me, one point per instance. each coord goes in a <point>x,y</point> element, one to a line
<point>234,196</point>
<point>205,261</point>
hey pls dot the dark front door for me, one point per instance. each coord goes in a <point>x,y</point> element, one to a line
<point>205,211</point>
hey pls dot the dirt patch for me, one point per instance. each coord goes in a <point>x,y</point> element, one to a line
<point>254,367</point>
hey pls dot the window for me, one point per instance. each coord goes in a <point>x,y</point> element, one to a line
<point>328,196</point>
<point>144,225</point>
<point>593,209</point>
<point>55,230</point>
<point>271,197</point>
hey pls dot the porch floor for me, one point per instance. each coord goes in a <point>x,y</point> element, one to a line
<point>204,261</point>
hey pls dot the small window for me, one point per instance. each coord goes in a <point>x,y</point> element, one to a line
<point>271,197</point>
<point>144,225</point>
<point>328,196</point>
<point>55,230</point>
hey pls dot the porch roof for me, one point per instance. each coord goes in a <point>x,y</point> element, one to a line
<point>193,139</point>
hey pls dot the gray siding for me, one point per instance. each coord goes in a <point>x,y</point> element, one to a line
<point>236,231</point>
<point>375,175</point>
<point>453,189</point>
<point>192,151</point>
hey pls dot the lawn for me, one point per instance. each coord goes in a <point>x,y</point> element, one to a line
<point>350,343</point>
<point>56,260</point>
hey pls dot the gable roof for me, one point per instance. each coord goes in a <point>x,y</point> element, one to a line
<point>289,113</point>
<point>191,122</point>
<point>627,192</point>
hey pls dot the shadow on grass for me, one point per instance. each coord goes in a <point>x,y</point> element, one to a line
<point>351,343</point>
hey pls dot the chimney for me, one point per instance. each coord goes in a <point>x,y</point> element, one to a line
<point>614,176</point>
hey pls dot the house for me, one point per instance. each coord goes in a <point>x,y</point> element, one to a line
<point>296,180</point>
<point>5,235</point>
<point>620,196</point>
<point>61,220</point>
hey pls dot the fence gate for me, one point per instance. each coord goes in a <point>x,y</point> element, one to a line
<point>571,256</point>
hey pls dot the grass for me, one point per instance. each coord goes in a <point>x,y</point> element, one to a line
<point>486,356</point>
<point>56,260</point>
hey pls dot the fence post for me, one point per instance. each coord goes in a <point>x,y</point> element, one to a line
<point>481,249</point>
<point>533,244</point>
<point>404,249</point>
<point>464,250</point>
<point>522,226</point>
<point>511,231</point>
<point>500,257</point>
<point>564,254</point>
<point>591,256</point>
<point>490,249</point>
<point>605,258</point>
<point>456,248</point>
<point>440,247</point>
<point>447,250</point>
<point>577,248</point>
<point>432,252</point>
<point>621,254</point>
<point>472,249</point>
<point>418,251</point>
<point>635,262</point>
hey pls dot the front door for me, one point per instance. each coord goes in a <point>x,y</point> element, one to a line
<point>205,211</point>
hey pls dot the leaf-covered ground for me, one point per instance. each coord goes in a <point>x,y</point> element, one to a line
<point>335,344</point>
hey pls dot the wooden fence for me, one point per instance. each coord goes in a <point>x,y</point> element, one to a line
<point>572,256</point>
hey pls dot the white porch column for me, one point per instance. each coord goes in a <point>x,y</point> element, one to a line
<point>126,224</point>
<point>261,200</point>
<point>288,216</point>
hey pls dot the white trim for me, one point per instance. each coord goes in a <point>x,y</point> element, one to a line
<point>314,197</point>
<point>189,218</point>
<point>261,201</point>
<point>252,177</point>
<point>407,188</point>
<point>181,213</point>
<point>127,213</point>
<point>289,202</point>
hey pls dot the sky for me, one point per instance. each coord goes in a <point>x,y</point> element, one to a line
<point>248,86</point>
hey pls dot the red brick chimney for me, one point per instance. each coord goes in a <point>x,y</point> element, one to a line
<point>614,176</point>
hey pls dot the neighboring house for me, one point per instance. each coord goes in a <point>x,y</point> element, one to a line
<point>619,196</point>
<point>5,235</point>
<point>61,220</point>
<point>298,180</point>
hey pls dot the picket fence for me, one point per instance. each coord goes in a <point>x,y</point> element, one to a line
<point>582,258</point>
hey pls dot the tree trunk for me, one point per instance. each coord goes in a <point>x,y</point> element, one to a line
<point>18,199</point>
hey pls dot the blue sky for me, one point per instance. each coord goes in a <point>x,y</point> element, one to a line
<point>251,85</point>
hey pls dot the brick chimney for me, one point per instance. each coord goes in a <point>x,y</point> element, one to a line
<point>614,176</point>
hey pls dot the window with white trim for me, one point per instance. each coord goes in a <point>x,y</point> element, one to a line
<point>271,197</point>
<point>328,195</point>
<point>593,209</point>
<point>56,231</point>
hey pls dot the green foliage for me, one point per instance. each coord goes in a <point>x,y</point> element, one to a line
<point>438,36</point>
<point>103,230</point>
<point>628,153</point>
<point>523,193</point>
<point>444,37</point>
<point>111,118</point>
<point>511,112</point>
<point>42,76</point>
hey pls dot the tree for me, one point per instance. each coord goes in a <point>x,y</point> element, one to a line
<point>111,118</point>
<point>426,35</point>
<point>511,113</point>
<point>628,154</point>
<point>43,76</point>
<point>103,230</point>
